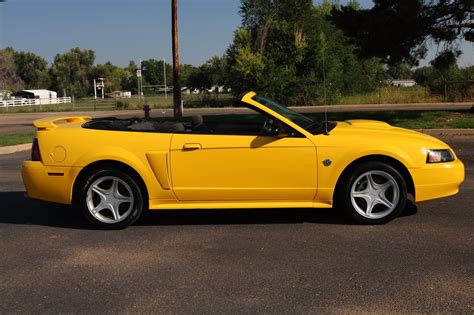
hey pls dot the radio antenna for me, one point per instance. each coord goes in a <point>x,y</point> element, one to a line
<point>324,89</point>
<point>326,132</point>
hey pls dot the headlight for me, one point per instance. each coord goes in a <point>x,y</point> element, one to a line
<point>439,156</point>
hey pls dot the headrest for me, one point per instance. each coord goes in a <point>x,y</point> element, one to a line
<point>197,120</point>
<point>177,127</point>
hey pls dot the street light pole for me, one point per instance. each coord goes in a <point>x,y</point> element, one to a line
<point>178,110</point>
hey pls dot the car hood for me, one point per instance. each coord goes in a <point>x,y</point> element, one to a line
<point>372,130</point>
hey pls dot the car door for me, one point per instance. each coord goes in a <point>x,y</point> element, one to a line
<point>233,167</point>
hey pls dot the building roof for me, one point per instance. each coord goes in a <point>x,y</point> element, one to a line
<point>403,80</point>
<point>39,91</point>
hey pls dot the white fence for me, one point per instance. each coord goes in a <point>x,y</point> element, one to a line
<point>35,101</point>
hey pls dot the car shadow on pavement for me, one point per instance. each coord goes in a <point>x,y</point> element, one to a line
<point>16,209</point>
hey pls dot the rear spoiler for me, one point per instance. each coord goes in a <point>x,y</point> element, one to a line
<point>51,123</point>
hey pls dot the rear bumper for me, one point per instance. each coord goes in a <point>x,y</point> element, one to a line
<point>48,183</point>
<point>437,180</point>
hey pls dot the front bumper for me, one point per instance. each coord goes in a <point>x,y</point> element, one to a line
<point>437,180</point>
<point>49,183</point>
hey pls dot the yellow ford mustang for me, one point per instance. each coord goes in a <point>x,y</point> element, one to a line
<point>114,169</point>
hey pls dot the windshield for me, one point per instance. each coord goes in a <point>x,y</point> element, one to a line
<point>299,119</point>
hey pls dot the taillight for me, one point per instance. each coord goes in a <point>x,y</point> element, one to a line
<point>35,151</point>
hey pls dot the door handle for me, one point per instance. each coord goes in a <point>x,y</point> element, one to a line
<point>192,146</point>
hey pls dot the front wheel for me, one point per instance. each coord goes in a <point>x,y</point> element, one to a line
<point>110,199</point>
<point>373,193</point>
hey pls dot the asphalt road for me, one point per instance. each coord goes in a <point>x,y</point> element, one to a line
<point>241,261</point>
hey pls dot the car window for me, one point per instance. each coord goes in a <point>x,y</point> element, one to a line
<point>297,118</point>
<point>252,125</point>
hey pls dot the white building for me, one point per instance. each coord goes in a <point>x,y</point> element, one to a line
<point>119,94</point>
<point>36,94</point>
<point>402,83</point>
<point>34,97</point>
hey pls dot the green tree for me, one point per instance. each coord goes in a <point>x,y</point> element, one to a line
<point>399,71</point>
<point>130,80</point>
<point>152,71</point>
<point>244,65</point>
<point>114,76</point>
<point>457,81</point>
<point>185,71</point>
<point>9,80</point>
<point>425,75</point>
<point>212,72</point>
<point>398,30</point>
<point>284,49</point>
<point>32,69</point>
<point>71,72</point>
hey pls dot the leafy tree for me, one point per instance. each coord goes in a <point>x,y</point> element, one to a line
<point>32,69</point>
<point>200,78</point>
<point>152,71</point>
<point>71,72</point>
<point>425,75</point>
<point>399,71</point>
<point>212,72</point>
<point>244,65</point>
<point>130,80</point>
<point>457,81</point>
<point>286,49</point>
<point>9,80</point>
<point>113,75</point>
<point>398,30</point>
<point>185,71</point>
<point>217,66</point>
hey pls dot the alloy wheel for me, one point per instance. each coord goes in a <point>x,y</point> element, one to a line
<point>375,194</point>
<point>110,199</point>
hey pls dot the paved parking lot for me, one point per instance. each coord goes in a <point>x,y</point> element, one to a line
<point>246,261</point>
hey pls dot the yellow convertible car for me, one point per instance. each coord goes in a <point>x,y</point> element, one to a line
<point>114,169</point>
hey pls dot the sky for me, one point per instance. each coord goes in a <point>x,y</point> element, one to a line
<point>123,30</point>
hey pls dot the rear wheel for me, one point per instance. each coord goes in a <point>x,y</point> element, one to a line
<point>373,193</point>
<point>110,199</point>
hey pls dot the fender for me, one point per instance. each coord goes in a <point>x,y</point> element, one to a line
<point>342,157</point>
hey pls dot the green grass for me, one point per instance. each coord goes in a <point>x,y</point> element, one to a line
<point>16,138</point>
<point>462,122</point>
<point>410,119</point>
<point>393,95</point>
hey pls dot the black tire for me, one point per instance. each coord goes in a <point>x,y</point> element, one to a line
<point>128,211</point>
<point>350,201</point>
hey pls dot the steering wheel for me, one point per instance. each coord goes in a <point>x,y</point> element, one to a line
<point>269,129</point>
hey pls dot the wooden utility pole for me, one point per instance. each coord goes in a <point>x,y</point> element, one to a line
<point>178,110</point>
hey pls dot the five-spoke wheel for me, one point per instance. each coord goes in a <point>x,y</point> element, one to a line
<point>111,199</point>
<point>373,193</point>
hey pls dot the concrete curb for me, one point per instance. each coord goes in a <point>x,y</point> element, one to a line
<point>15,148</point>
<point>434,132</point>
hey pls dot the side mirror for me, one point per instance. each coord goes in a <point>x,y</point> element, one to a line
<point>274,131</point>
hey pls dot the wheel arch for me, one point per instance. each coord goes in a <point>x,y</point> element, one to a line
<point>377,158</point>
<point>116,165</point>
